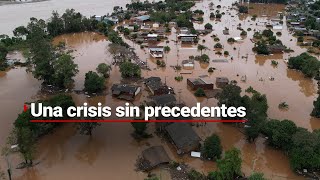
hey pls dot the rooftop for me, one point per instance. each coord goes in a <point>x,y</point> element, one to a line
<point>222,79</point>
<point>143,18</point>
<point>120,88</point>
<point>165,99</point>
<point>182,134</point>
<point>155,156</point>
<point>197,81</point>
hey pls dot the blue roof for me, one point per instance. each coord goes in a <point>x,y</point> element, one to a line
<point>143,18</point>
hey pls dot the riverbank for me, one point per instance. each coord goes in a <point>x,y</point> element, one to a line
<point>2,3</point>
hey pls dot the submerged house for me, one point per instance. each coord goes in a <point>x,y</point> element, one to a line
<point>165,100</point>
<point>189,63</point>
<point>125,91</point>
<point>184,138</point>
<point>187,38</point>
<point>156,87</point>
<point>276,48</point>
<point>152,37</point>
<point>195,83</point>
<point>156,51</point>
<point>154,157</point>
<point>222,81</point>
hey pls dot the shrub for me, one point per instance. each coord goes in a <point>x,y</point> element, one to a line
<point>212,148</point>
<point>211,69</point>
<point>208,26</point>
<point>218,45</point>
<point>243,33</point>
<point>178,78</point>
<point>231,40</point>
<point>166,49</point>
<point>200,92</point>
<point>218,16</point>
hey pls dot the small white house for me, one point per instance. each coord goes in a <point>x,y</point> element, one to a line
<point>155,25</point>
<point>156,51</point>
<point>152,37</point>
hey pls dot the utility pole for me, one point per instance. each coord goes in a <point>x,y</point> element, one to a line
<point>179,96</point>
<point>165,80</point>
<point>9,166</point>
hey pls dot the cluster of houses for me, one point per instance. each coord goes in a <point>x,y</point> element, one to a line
<point>196,83</point>
<point>181,134</point>
<point>296,19</point>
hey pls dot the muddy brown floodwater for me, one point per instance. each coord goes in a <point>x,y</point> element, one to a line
<point>111,152</point>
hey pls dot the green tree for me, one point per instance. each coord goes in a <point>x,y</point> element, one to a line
<point>306,63</point>
<point>104,69</point>
<point>280,133</point>
<point>256,176</point>
<point>102,27</point>
<point>212,148</point>
<point>201,48</point>
<point>126,31</point>
<point>316,108</point>
<point>129,69</point>
<point>229,167</point>
<point>218,45</point>
<point>166,49</point>
<point>204,58</point>
<point>208,26</point>
<point>72,21</point>
<point>183,20</point>
<point>93,82</point>
<point>41,50</point>
<point>261,48</point>
<point>243,33</point>
<point>3,55</point>
<point>139,127</point>
<point>195,175</point>
<point>26,142</point>
<point>64,71</point>
<point>55,25</point>
<point>230,96</point>
<point>231,40</point>
<point>212,16</point>
<point>86,128</point>
<point>300,39</point>
<point>243,9</point>
<point>218,16</point>
<point>267,33</point>
<point>256,108</point>
<point>200,92</point>
<point>20,31</point>
<point>305,151</point>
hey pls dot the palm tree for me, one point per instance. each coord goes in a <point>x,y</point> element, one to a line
<point>201,48</point>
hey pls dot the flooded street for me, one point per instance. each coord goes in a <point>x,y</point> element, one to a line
<point>112,152</point>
